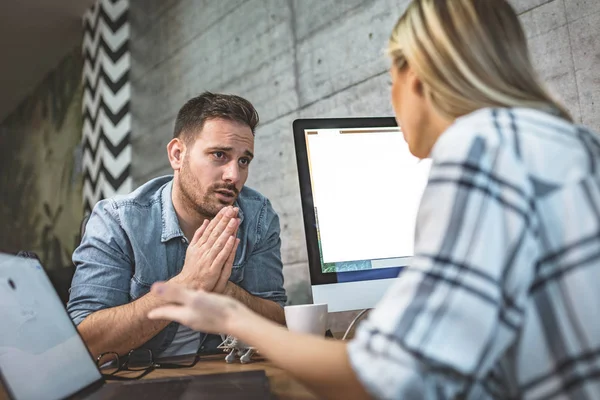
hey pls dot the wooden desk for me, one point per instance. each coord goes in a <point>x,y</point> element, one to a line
<point>282,384</point>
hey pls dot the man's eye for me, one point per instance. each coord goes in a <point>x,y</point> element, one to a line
<point>245,161</point>
<point>219,154</point>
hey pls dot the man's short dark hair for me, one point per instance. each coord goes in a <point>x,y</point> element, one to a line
<point>197,111</point>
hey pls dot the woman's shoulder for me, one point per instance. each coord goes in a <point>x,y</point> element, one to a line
<point>519,143</point>
<point>516,130</point>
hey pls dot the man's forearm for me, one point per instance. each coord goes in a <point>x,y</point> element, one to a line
<point>121,328</point>
<point>267,308</point>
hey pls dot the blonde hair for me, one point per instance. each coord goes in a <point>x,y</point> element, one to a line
<point>469,54</point>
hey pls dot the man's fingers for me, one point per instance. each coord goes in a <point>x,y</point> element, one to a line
<point>173,292</point>
<point>222,226</point>
<point>212,224</point>
<point>221,241</point>
<point>231,257</point>
<point>199,232</point>
<point>226,272</point>
<point>237,228</point>
<point>221,256</point>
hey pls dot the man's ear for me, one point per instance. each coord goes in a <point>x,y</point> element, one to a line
<point>176,150</point>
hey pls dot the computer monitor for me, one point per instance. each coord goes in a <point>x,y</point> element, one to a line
<point>360,188</point>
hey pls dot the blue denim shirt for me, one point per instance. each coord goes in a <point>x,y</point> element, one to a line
<point>134,240</point>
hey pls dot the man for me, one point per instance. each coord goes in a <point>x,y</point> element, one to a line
<point>161,231</point>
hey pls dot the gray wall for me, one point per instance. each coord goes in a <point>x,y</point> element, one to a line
<point>40,154</point>
<point>311,58</point>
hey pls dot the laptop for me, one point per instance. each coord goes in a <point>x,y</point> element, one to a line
<point>42,355</point>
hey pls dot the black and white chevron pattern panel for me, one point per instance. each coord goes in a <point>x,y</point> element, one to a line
<point>106,96</point>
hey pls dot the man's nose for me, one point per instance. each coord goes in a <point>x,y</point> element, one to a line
<point>231,173</point>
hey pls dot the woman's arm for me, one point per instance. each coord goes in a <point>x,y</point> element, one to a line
<point>322,365</point>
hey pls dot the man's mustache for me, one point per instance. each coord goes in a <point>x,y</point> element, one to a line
<point>229,187</point>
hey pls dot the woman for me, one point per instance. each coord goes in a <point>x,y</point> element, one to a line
<point>507,248</point>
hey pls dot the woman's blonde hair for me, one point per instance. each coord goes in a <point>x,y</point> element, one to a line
<point>469,54</point>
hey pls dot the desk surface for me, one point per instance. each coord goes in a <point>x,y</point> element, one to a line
<point>282,384</point>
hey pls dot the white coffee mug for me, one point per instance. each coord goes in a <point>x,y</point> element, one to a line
<point>307,318</point>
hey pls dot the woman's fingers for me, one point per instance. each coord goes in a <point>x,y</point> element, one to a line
<point>173,292</point>
<point>198,310</point>
<point>171,313</point>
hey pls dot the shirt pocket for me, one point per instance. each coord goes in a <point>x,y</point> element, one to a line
<point>138,289</point>
<point>237,274</point>
<point>237,271</point>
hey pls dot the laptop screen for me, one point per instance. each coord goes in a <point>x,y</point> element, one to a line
<point>41,353</point>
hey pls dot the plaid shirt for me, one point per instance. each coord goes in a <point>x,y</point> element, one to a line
<point>502,297</point>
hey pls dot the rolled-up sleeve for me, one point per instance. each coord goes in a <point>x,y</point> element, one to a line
<point>263,273</point>
<point>103,264</point>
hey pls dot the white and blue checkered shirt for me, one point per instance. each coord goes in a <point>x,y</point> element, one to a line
<point>503,297</point>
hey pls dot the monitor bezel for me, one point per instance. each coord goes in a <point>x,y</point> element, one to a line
<point>317,277</point>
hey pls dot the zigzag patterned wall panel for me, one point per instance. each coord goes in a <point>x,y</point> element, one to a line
<point>106,95</point>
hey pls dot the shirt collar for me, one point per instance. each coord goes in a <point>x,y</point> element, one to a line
<point>237,204</point>
<point>170,222</point>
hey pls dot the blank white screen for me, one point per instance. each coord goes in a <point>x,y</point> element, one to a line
<point>366,188</point>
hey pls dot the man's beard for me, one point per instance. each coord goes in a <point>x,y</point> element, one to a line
<point>193,199</point>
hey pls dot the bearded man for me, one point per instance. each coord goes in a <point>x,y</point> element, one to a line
<point>200,227</point>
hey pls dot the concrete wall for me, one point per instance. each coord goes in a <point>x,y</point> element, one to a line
<point>311,58</point>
